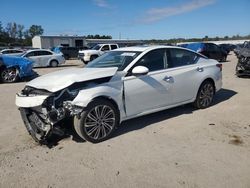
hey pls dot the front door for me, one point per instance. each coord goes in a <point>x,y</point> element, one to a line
<point>147,92</point>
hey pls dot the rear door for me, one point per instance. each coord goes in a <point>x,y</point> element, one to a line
<point>185,74</point>
<point>44,58</point>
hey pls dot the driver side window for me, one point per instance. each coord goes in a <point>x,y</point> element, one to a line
<point>153,60</point>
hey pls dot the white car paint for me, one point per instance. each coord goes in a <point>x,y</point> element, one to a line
<point>31,101</point>
<point>11,52</point>
<point>43,58</point>
<point>135,95</point>
<point>69,76</point>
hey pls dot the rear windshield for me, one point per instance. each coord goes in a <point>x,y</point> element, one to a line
<point>195,46</point>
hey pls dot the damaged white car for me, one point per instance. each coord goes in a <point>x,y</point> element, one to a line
<point>120,85</point>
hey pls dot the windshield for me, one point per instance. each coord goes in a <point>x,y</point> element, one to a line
<point>120,59</point>
<point>96,47</point>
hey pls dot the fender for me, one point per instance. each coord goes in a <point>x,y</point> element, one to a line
<point>85,96</point>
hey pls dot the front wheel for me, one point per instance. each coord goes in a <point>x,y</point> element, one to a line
<point>205,95</point>
<point>93,57</point>
<point>9,75</point>
<point>97,121</point>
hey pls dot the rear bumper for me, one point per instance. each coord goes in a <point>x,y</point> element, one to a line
<point>218,82</point>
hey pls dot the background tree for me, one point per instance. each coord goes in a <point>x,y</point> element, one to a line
<point>35,30</point>
<point>11,29</point>
<point>20,29</point>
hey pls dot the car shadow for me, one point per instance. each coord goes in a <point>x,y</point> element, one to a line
<point>68,133</point>
<point>137,123</point>
<point>144,121</point>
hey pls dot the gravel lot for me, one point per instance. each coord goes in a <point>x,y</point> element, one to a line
<point>180,147</point>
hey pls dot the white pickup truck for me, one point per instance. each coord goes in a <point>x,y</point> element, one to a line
<point>99,49</point>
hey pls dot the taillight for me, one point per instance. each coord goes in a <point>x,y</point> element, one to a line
<point>219,66</point>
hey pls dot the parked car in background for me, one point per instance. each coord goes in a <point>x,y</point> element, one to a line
<point>13,68</point>
<point>242,47</point>
<point>44,58</point>
<point>228,47</point>
<point>11,52</point>
<point>119,85</point>
<point>69,52</point>
<point>98,50</point>
<point>210,50</point>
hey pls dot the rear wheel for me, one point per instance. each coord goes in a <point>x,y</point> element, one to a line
<point>9,75</point>
<point>205,95</point>
<point>97,122</point>
<point>53,63</point>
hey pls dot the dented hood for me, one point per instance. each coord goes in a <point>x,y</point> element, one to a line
<point>58,80</point>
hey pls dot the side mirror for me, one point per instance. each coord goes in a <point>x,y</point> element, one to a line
<point>140,70</point>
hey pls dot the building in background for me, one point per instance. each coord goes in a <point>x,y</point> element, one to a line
<point>77,41</point>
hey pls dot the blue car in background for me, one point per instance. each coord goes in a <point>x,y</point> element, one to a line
<point>208,49</point>
<point>13,68</point>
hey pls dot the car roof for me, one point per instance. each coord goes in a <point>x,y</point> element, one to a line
<point>35,50</point>
<point>11,49</point>
<point>101,44</point>
<point>145,48</point>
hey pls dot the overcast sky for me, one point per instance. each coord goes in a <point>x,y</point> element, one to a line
<point>132,19</point>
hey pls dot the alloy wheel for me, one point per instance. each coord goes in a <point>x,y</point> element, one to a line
<point>206,95</point>
<point>9,75</point>
<point>99,122</point>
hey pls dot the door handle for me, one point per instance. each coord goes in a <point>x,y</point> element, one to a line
<point>168,79</point>
<point>200,69</point>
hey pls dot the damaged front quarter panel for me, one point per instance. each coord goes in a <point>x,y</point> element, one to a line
<point>43,110</point>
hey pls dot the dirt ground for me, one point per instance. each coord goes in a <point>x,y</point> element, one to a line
<point>180,147</point>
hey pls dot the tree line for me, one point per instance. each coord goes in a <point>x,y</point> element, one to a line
<point>14,34</point>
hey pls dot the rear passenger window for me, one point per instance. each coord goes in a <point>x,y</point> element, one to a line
<point>180,57</point>
<point>41,53</point>
<point>31,54</point>
<point>113,47</point>
<point>105,48</point>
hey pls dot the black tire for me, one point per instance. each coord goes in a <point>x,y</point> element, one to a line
<point>93,57</point>
<point>239,69</point>
<point>54,63</point>
<point>224,59</point>
<point>205,95</point>
<point>36,133</point>
<point>9,75</point>
<point>97,122</point>
<point>66,56</point>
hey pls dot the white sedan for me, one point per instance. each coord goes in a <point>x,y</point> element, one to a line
<point>44,58</point>
<point>119,85</point>
<point>12,52</point>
